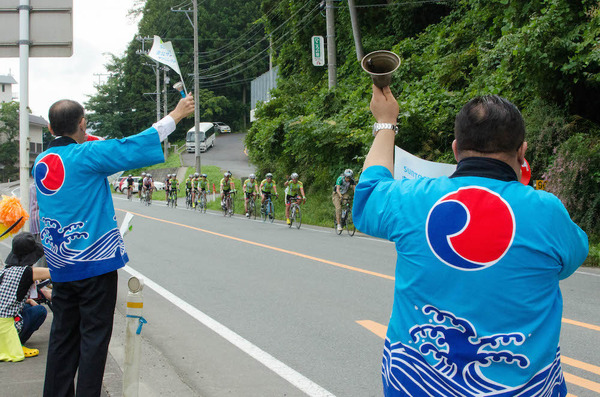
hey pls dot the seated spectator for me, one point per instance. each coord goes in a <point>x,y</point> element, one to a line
<point>20,316</point>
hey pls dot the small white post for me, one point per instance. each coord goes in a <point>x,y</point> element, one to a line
<point>133,338</point>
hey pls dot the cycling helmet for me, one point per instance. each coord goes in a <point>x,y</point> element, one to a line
<point>143,174</point>
<point>252,176</point>
<point>197,175</point>
<point>227,174</point>
<point>203,175</point>
<point>191,176</point>
<point>149,175</point>
<point>269,175</point>
<point>130,176</point>
<point>294,175</point>
<point>349,173</point>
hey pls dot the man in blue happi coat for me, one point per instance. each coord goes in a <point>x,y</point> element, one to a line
<point>477,305</point>
<point>81,240</point>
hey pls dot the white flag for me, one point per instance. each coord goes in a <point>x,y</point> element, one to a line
<point>411,167</point>
<point>163,53</point>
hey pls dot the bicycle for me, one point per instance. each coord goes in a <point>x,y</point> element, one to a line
<point>172,201</point>
<point>252,206</point>
<point>295,213</point>
<point>202,204</point>
<point>129,192</point>
<point>346,218</point>
<point>188,199</point>
<point>267,209</point>
<point>146,198</point>
<point>229,207</point>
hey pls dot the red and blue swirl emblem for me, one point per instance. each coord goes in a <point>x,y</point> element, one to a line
<point>471,228</point>
<point>49,174</point>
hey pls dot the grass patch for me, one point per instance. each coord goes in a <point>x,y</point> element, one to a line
<point>593,259</point>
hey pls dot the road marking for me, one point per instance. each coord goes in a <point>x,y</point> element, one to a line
<point>376,328</point>
<point>380,330</point>
<point>281,369</point>
<point>587,274</point>
<point>581,324</point>
<point>581,382</point>
<point>314,258</point>
<point>581,365</point>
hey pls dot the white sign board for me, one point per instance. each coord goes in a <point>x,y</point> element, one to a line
<point>318,50</point>
<point>411,167</point>
<point>50,28</point>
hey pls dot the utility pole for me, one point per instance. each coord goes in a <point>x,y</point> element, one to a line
<point>24,42</point>
<point>196,80</point>
<point>166,81</point>
<point>331,59</point>
<point>156,68</point>
<point>196,89</point>
<point>356,31</point>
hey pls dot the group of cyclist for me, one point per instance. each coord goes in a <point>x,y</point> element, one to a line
<point>294,190</point>
<point>197,184</point>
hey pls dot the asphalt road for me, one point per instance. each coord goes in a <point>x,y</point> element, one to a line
<point>314,302</point>
<point>228,153</point>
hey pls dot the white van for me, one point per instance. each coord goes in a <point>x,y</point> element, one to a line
<point>207,137</point>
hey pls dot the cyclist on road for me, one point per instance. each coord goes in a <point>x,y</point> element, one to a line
<point>189,185</point>
<point>129,185</point>
<point>294,189</point>
<point>141,185</point>
<point>167,187</point>
<point>343,189</point>
<point>149,185</point>
<point>226,186</point>
<point>202,185</point>
<point>250,188</point>
<point>174,185</point>
<point>267,187</point>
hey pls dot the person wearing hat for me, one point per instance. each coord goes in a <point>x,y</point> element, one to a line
<point>20,316</point>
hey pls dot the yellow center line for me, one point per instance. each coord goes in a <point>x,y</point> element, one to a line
<point>580,324</point>
<point>336,264</point>
<point>581,382</point>
<point>380,330</point>
<point>581,365</point>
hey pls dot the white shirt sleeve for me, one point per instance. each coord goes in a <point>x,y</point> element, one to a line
<point>164,127</point>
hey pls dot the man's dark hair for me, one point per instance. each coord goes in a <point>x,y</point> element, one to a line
<point>65,116</point>
<point>489,124</point>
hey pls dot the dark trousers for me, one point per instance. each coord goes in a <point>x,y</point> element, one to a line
<point>33,318</point>
<point>81,329</point>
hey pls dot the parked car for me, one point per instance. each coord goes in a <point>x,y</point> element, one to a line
<point>117,183</point>
<point>222,127</point>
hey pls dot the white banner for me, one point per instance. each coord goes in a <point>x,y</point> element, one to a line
<point>411,167</point>
<point>164,53</point>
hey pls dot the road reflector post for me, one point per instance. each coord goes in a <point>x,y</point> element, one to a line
<point>133,337</point>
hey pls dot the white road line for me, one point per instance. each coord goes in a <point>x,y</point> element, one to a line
<point>588,274</point>
<point>281,369</point>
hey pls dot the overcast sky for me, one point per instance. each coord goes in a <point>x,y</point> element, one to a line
<point>99,27</point>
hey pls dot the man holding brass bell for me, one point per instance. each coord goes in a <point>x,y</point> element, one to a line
<point>477,305</point>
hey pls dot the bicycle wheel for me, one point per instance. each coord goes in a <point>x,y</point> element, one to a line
<point>203,199</point>
<point>271,211</point>
<point>188,201</point>
<point>350,224</point>
<point>225,206</point>
<point>298,218</point>
<point>292,215</point>
<point>231,206</point>
<point>251,209</point>
<point>263,212</point>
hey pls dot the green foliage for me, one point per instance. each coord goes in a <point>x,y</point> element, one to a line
<point>9,140</point>
<point>574,176</point>
<point>543,55</point>
<point>231,52</point>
